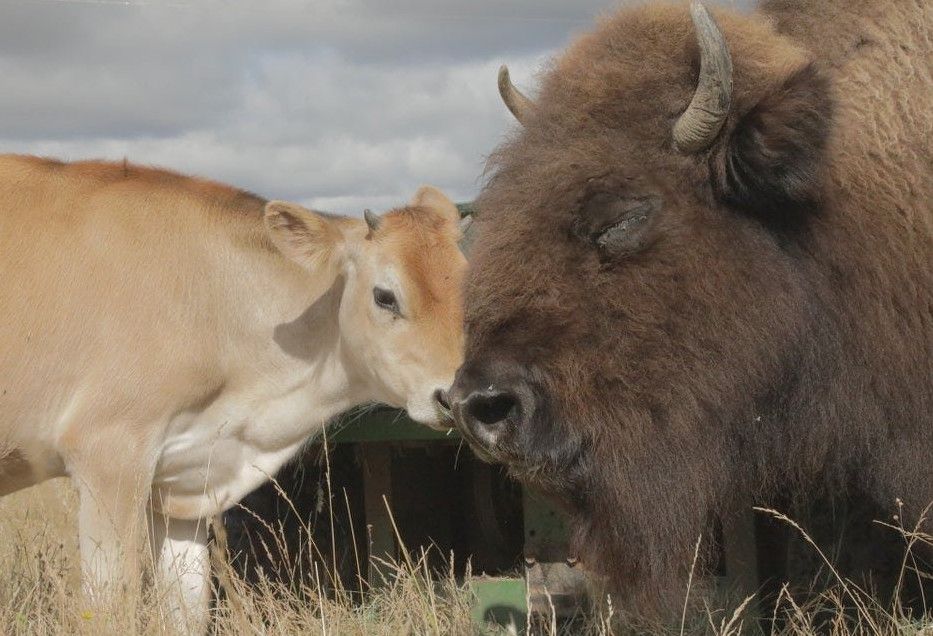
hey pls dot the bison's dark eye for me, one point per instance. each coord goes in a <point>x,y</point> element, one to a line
<point>618,225</point>
<point>386,299</point>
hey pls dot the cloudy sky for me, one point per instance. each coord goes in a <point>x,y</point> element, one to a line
<point>338,104</point>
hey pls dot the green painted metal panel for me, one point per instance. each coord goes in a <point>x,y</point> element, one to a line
<point>465,209</point>
<point>500,600</point>
<point>384,425</point>
<point>545,528</point>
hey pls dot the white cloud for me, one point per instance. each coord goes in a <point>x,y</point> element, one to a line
<point>342,104</point>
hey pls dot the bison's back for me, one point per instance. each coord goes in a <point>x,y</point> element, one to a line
<point>880,57</point>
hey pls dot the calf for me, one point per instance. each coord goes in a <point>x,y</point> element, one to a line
<point>170,342</point>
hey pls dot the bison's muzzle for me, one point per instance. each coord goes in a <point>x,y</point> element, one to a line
<point>491,402</point>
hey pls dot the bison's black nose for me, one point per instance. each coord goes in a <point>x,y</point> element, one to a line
<point>489,408</point>
<point>487,399</point>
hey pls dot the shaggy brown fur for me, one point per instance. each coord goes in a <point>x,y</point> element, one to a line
<point>771,323</point>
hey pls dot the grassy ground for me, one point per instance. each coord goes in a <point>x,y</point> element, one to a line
<point>39,595</point>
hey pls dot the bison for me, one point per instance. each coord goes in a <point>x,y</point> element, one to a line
<point>702,275</point>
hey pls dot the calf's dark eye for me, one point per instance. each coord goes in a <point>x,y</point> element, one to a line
<point>386,299</point>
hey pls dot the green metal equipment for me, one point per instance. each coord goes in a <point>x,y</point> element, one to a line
<point>545,576</point>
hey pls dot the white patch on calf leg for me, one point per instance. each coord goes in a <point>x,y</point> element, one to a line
<point>182,567</point>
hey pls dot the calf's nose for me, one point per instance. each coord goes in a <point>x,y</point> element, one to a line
<point>442,400</point>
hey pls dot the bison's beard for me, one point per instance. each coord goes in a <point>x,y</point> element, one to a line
<point>645,560</point>
<point>640,506</point>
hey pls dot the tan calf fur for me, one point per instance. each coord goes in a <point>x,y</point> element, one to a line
<point>169,342</point>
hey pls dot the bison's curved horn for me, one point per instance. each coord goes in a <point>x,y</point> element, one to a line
<point>372,220</point>
<point>704,117</point>
<point>518,104</point>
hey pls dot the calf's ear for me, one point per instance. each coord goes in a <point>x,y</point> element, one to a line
<point>312,240</point>
<point>772,164</point>
<point>437,202</point>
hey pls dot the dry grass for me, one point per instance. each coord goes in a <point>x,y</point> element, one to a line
<point>39,589</point>
<point>39,594</point>
<point>848,608</point>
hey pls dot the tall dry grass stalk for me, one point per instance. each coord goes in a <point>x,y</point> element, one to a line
<point>40,589</point>
<point>39,592</point>
<point>847,607</point>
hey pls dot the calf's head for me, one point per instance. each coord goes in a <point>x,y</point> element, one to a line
<point>638,277</point>
<point>400,274</point>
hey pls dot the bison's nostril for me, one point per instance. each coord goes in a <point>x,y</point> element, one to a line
<point>440,396</point>
<point>491,408</point>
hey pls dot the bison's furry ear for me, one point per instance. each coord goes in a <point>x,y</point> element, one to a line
<point>772,163</point>
<point>308,238</point>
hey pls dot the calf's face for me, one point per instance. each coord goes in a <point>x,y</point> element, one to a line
<point>400,316</point>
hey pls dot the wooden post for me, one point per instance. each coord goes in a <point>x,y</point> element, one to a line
<point>377,483</point>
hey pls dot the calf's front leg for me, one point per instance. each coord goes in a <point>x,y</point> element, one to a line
<point>110,524</point>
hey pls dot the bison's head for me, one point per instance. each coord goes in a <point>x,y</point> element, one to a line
<point>639,283</point>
